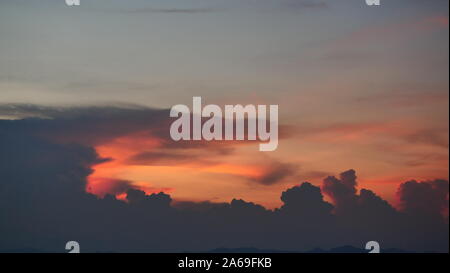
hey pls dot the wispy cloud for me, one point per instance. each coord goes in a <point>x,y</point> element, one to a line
<point>172,10</point>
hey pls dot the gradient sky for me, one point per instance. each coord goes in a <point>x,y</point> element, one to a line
<point>358,87</point>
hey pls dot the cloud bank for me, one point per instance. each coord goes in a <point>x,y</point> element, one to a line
<point>45,163</point>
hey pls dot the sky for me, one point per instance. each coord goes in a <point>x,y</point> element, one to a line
<point>358,87</point>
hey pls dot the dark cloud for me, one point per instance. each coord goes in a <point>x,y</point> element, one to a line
<point>163,158</point>
<point>348,202</point>
<point>276,172</point>
<point>428,197</point>
<point>305,199</point>
<point>92,125</point>
<point>342,191</point>
<point>170,158</point>
<point>43,202</point>
<point>159,200</point>
<point>88,125</point>
<point>198,206</point>
<point>367,214</point>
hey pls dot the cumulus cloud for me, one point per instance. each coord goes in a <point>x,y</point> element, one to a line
<point>427,197</point>
<point>348,202</point>
<point>44,203</point>
<point>306,200</point>
<point>342,191</point>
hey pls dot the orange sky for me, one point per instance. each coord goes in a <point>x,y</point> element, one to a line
<point>383,154</point>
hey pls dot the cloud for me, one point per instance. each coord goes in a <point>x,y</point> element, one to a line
<point>93,125</point>
<point>173,10</point>
<point>133,135</point>
<point>342,191</point>
<point>285,5</point>
<point>427,197</point>
<point>407,131</point>
<point>349,202</point>
<point>434,137</point>
<point>45,198</point>
<point>305,199</point>
<point>290,5</point>
<point>159,158</point>
<point>305,4</point>
<point>276,172</point>
<point>87,125</point>
<point>101,187</point>
<point>43,202</point>
<point>198,206</point>
<point>154,200</point>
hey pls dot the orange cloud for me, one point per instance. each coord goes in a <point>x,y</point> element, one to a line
<point>137,155</point>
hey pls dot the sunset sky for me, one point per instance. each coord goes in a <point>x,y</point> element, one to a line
<point>358,87</point>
